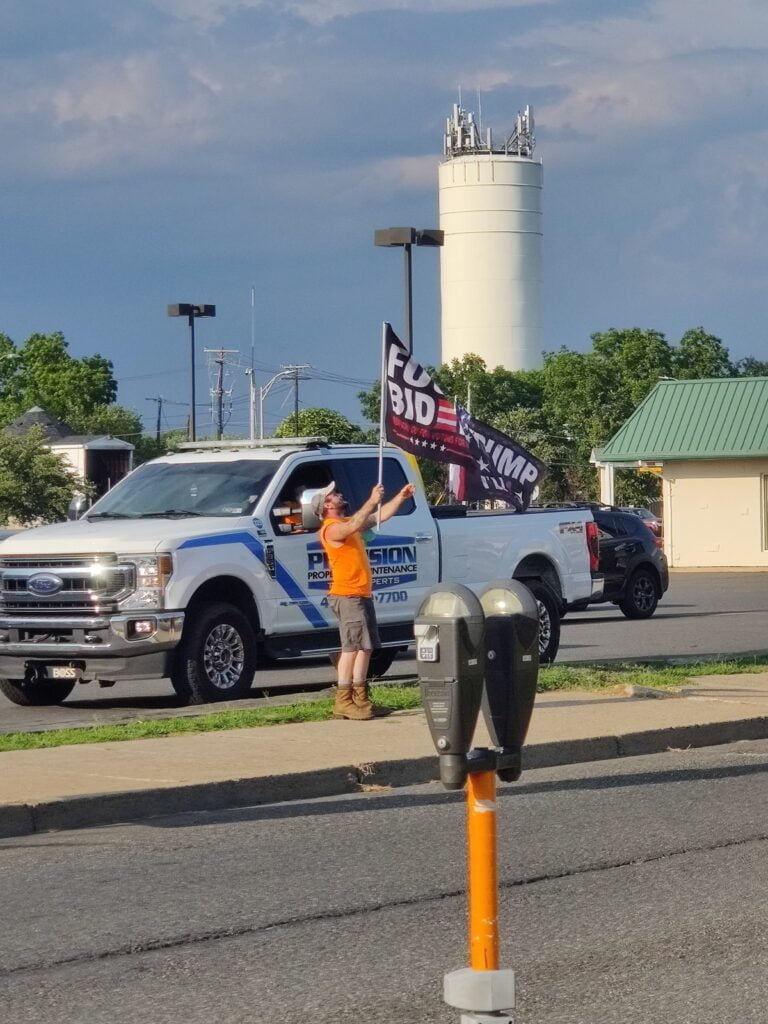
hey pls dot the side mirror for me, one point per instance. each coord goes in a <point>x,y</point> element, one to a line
<point>308,518</point>
<point>78,505</point>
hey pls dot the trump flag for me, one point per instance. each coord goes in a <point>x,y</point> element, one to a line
<point>420,419</point>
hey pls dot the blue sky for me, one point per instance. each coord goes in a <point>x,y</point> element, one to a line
<point>162,151</point>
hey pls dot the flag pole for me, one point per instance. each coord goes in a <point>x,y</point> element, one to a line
<point>382,411</point>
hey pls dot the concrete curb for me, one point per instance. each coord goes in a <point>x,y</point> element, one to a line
<point>113,808</point>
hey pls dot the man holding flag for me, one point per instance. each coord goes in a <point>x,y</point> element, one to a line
<point>351,593</point>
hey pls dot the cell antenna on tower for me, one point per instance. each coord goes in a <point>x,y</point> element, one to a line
<point>463,135</point>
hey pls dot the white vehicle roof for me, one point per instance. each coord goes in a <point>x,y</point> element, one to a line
<point>268,450</point>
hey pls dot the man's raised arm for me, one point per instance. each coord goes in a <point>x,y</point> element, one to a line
<point>389,509</point>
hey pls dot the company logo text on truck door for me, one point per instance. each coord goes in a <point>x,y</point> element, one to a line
<point>393,563</point>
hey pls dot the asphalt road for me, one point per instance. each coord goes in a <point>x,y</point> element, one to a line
<point>701,614</point>
<point>630,891</point>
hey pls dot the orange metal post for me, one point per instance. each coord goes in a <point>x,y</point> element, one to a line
<point>483,895</point>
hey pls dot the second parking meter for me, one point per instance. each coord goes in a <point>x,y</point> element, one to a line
<point>511,669</point>
<point>450,661</point>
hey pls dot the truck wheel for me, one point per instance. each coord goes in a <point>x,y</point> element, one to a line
<point>549,622</point>
<point>641,595</point>
<point>216,659</point>
<point>46,693</point>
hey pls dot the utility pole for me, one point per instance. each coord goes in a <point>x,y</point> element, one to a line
<point>296,402</point>
<point>160,402</point>
<point>218,391</point>
<point>251,374</point>
<point>295,372</point>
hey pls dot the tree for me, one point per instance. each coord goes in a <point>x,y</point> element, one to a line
<point>751,367</point>
<point>578,400</point>
<point>700,355</point>
<point>370,402</point>
<point>488,393</point>
<point>149,447</point>
<point>36,486</point>
<point>322,423</point>
<point>110,420</point>
<point>42,372</point>
<point>533,430</point>
<point>589,395</point>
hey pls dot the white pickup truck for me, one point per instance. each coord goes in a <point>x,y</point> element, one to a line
<point>202,564</point>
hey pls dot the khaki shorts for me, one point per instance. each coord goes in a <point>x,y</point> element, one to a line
<point>357,623</point>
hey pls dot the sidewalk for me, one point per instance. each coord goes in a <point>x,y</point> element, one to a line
<point>96,784</point>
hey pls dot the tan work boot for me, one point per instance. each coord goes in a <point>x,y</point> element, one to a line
<point>345,706</point>
<point>362,697</point>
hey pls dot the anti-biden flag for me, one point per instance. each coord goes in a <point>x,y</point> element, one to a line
<point>421,420</point>
<point>418,417</point>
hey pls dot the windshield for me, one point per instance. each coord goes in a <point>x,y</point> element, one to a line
<point>180,489</point>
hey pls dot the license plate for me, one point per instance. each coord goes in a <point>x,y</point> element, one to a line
<point>62,672</point>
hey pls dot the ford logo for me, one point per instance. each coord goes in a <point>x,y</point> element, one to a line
<point>44,583</point>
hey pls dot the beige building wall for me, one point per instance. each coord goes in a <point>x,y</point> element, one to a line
<point>73,454</point>
<point>715,513</point>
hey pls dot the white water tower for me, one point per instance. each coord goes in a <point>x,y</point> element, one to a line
<point>490,262</point>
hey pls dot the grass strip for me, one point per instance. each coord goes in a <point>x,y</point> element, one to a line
<point>395,697</point>
<point>551,678</point>
<point>596,677</point>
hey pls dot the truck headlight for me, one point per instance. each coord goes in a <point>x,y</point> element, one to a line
<point>152,575</point>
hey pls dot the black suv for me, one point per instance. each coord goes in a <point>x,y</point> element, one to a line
<point>631,562</point>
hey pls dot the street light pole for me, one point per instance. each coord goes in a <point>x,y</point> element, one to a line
<point>407,238</point>
<point>192,422</point>
<point>287,371</point>
<point>408,269</point>
<point>191,312</point>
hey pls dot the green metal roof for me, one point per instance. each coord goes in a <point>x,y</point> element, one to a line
<point>696,419</point>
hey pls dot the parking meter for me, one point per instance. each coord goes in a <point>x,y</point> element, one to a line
<point>511,669</point>
<point>450,661</point>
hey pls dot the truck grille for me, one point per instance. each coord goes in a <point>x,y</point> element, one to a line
<point>76,584</point>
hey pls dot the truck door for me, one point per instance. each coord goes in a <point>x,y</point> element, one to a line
<point>404,552</point>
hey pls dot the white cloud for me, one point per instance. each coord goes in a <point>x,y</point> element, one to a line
<point>320,12</point>
<point>139,111</point>
<point>738,176</point>
<point>358,181</point>
<point>680,65</point>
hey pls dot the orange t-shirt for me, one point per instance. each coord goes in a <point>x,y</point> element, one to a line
<point>350,569</point>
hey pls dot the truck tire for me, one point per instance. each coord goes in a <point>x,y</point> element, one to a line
<point>641,595</point>
<point>216,659</point>
<point>46,693</point>
<point>549,621</point>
